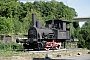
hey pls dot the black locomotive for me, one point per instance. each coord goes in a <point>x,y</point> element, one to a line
<point>48,37</point>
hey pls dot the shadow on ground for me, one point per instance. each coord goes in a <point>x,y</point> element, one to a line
<point>50,59</point>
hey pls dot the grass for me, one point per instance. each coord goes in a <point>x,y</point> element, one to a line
<point>4,53</point>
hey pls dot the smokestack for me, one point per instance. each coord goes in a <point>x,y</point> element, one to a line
<point>34,20</point>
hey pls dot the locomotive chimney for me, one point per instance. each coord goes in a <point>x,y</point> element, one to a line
<point>34,20</point>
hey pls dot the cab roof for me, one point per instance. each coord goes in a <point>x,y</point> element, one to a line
<point>57,21</point>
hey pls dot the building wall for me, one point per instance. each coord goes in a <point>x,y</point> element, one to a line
<point>7,39</point>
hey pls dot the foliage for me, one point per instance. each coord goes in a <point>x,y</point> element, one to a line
<point>85,35</point>
<point>1,45</point>
<point>27,21</point>
<point>15,17</point>
<point>6,25</point>
<point>75,30</point>
<point>76,24</point>
<point>10,46</point>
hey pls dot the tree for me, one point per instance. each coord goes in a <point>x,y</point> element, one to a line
<point>20,13</point>
<point>27,21</point>
<point>8,8</point>
<point>6,25</point>
<point>85,32</point>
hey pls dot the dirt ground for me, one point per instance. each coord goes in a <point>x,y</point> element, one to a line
<point>65,54</point>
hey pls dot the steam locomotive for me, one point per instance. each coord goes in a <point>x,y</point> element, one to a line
<point>49,37</point>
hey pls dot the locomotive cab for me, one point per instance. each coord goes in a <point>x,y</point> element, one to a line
<point>57,24</point>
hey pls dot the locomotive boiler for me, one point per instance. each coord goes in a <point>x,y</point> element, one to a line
<point>49,37</point>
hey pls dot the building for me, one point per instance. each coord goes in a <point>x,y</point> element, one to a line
<point>6,38</point>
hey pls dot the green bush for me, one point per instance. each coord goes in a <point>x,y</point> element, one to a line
<point>16,46</point>
<point>1,45</point>
<point>10,46</point>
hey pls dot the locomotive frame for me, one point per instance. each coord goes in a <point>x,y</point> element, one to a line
<point>49,37</point>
